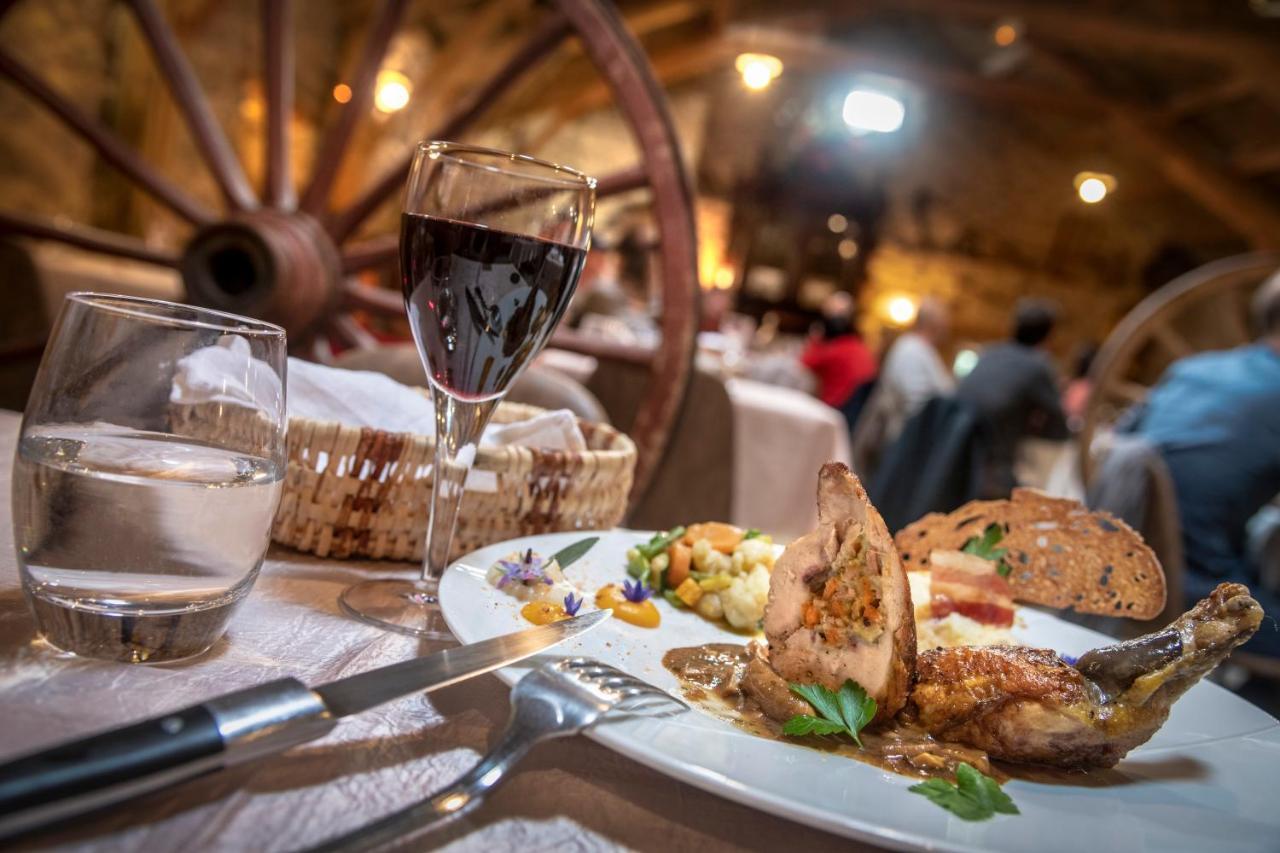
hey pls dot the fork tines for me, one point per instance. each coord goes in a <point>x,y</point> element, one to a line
<point>631,694</point>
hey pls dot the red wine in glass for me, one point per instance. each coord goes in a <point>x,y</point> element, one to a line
<point>481,302</point>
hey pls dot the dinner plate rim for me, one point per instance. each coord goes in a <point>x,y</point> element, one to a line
<point>615,737</point>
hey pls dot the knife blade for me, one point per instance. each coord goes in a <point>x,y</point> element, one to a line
<point>361,692</point>
<point>116,765</point>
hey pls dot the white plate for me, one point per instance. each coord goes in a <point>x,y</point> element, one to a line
<point>1206,781</point>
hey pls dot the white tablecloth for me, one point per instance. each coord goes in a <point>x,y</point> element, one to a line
<point>568,795</point>
<point>781,438</point>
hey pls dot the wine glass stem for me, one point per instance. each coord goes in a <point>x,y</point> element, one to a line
<point>459,424</point>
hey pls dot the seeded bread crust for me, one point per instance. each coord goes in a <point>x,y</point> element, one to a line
<point>1061,554</point>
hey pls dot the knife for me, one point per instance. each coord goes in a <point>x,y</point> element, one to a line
<point>106,768</point>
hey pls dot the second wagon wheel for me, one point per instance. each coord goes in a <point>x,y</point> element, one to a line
<point>286,256</point>
<point>1205,309</point>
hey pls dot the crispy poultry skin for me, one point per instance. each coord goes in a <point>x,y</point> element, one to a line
<point>1028,705</point>
<point>839,603</point>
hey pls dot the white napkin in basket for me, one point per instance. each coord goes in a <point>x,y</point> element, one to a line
<point>353,397</point>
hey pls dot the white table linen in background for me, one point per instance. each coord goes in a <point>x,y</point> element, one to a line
<point>568,795</point>
<point>781,437</point>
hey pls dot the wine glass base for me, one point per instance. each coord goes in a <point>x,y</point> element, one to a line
<point>406,607</point>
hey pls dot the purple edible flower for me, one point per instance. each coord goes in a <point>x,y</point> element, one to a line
<point>528,569</point>
<point>1068,659</point>
<point>635,592</point>
<point>571,604</point>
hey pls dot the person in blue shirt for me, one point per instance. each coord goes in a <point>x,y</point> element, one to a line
<point>1215,419</point>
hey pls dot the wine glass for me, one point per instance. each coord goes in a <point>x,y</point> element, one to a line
<point>148,471</point>
<point>491,247</point>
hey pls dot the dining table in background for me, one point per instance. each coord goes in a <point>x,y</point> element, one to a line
<point>780,434</point>
<point>572,794</point>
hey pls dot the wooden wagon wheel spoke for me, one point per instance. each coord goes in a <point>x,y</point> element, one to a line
<point>113,149</point>
<point>83,237</point>
<point>189,96</point>
<point>316,195</point>
<point>347,330</point>
<point>543,41</point>
<point>1171,341</point>
<point>278,68</point>
<point>377,299</point>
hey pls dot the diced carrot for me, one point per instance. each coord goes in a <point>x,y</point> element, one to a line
<point>723,537</point>
<point>810,615</point>
<point>681,556</point>
<point>689,592</point>
<point>830,588</point>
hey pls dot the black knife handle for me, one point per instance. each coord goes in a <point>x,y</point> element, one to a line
<point>126,756</point>
<point>86,774</point>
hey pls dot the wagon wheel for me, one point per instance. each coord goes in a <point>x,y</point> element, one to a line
<point>284,257</point>
<point>1205,309</point>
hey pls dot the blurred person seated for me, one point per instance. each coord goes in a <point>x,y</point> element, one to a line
<point>913,372</point>
<point>613,299</point>
<point>1215,419</point>
<point>1075,398</point>
<point>836,354</point>
<point>1014,391</point>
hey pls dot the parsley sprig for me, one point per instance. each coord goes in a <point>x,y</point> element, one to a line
<point>984,546</point>
<point>846,711</point>
<point>973,797</point>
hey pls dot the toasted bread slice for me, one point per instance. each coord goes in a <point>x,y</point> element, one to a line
<point>1061,554</point>
<point>839,603</point>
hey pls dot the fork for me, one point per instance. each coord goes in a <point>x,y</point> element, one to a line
<point>556,700</point>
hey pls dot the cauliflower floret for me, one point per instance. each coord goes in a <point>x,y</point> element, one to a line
<point>708,559</point>
<point>709,606</point>
<point>753,552</point>
<point>745,599</point>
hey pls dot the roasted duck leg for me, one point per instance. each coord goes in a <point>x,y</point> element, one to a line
<point>1028,705</point>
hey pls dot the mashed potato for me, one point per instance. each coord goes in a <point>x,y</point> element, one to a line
<point>953,629</point>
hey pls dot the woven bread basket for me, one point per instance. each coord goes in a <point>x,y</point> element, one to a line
<point>361,492</point>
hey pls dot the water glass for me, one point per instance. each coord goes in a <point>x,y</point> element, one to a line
<point>147,475</point>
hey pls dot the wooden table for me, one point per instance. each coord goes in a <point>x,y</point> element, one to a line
<point>570,794</point>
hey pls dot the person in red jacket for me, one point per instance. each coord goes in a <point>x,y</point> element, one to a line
<point>838,357</point>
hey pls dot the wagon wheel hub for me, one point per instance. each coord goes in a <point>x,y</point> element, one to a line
<point>282,267</point>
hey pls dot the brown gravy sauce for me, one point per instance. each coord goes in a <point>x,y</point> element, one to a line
<point>711,677</point>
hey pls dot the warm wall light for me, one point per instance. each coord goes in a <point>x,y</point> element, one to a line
<point>847,249</point>
<point>901,310</point>
<point>758,70</point>
<point>867,111</point>
<point>724,277</point>
<point>392,91</point>
<point>1005,35</point>
<point>342,93</point>
<point>837,223</point>
<point>1093,187</point>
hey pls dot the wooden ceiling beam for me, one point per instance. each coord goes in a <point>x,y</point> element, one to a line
<point>1197,100</point>
<point>1233,201</point>
<point>1060,22</point>
<point>1259,161</point>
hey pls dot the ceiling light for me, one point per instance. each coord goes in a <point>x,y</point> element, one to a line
<point>867,111</point>
<point>1005,35</point>
<point>847,249</point>
<point>758,70</point>
<point>1093,187</point>
<point>342,93</point>
<point>392,92</point>
<point>837,223</point>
